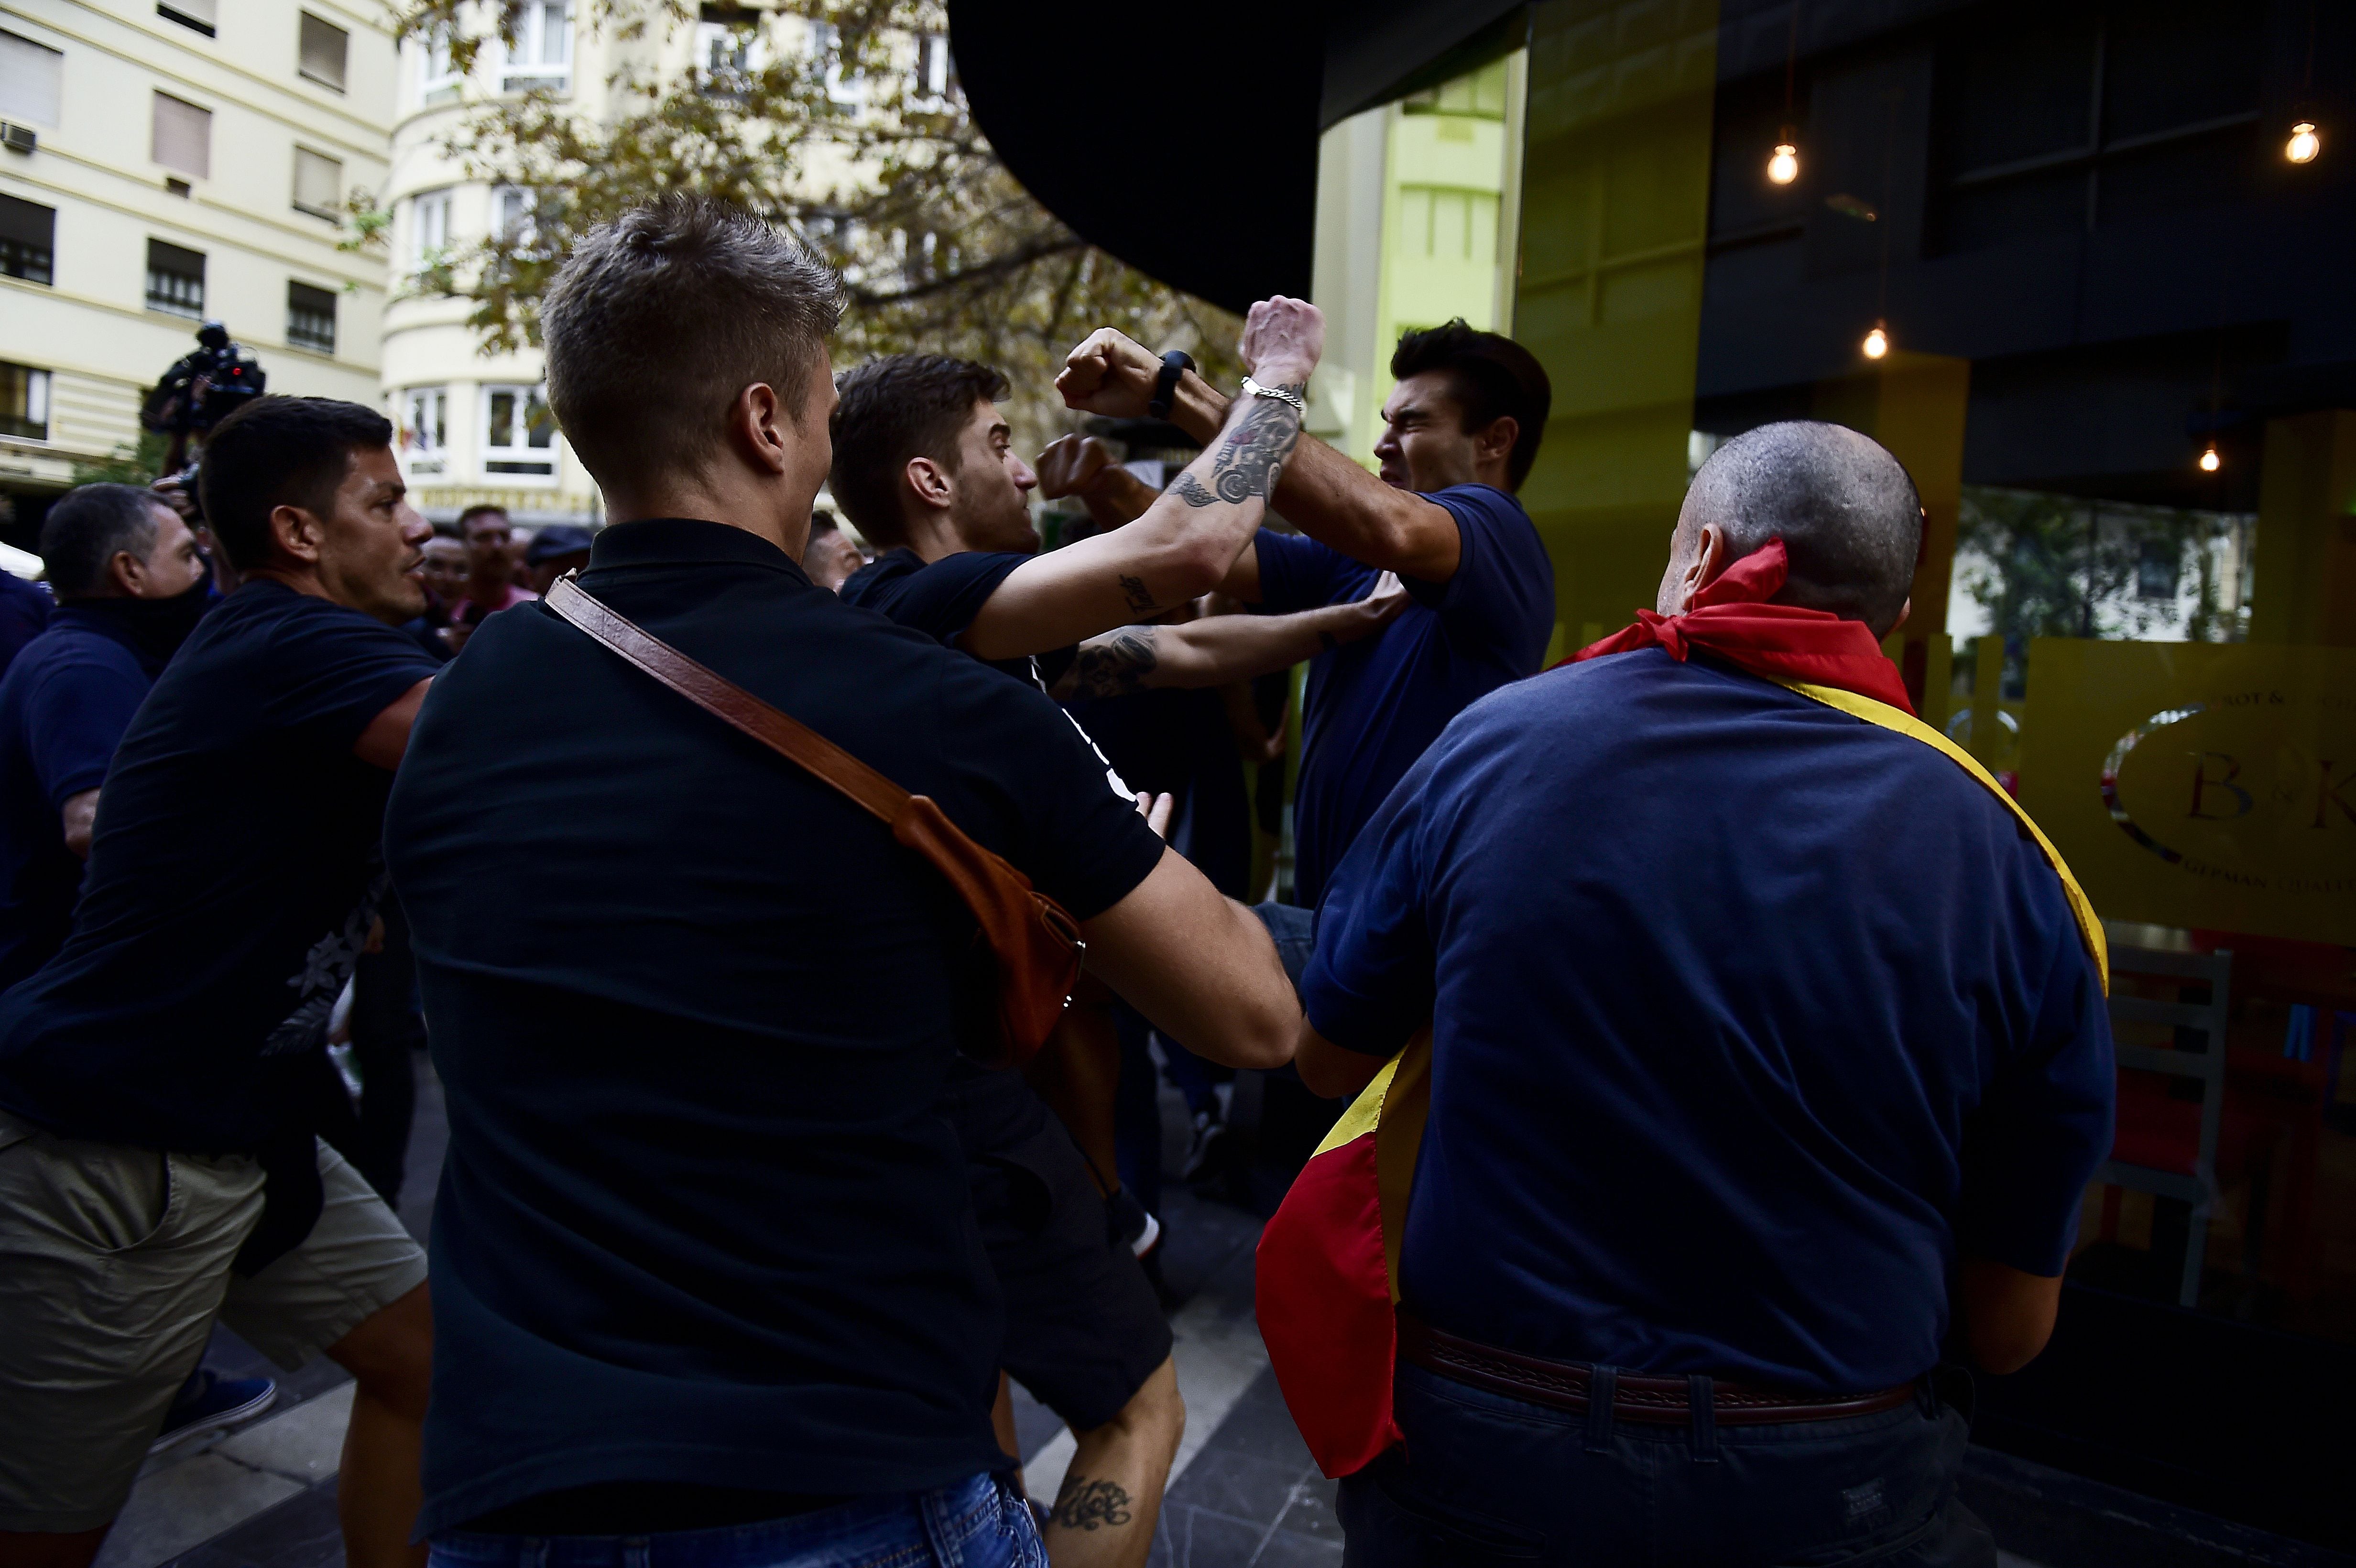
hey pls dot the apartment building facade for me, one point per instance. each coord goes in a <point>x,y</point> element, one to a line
<point>164,164</point>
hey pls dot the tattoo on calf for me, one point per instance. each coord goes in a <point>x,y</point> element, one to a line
<point>1134,589</point>
<point>1251,456</point>
<point>1083,1504</point>
<point>1116,665</point>
<point>1190,490</point>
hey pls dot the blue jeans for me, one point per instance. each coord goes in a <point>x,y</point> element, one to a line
<point>977,1523</point>
<point>1486,1479</point>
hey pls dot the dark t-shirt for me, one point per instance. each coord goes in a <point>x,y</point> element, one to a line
<point>703,1220</point>
<point>230,887</point>
<point>64,704</point>
<point>1372,706</point>
<point>24,610</point>
<point>1748,1017</point>
<point>941,600</point>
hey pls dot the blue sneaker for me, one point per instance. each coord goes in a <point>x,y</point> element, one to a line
<point>209,1402</point>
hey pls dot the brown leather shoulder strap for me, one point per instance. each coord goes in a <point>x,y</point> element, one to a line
<point>725,700</point>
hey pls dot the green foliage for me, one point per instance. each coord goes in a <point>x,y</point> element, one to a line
<point>814,115</point>
<point>140,465</point>
<point>2057,566</point>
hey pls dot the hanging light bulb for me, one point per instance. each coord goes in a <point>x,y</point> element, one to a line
<point>1876,342</point>
<point>1784,168</point>
<point>2304,143</point>
<point>2210,461</point>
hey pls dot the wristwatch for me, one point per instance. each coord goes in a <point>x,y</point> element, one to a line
<point>1174,364</point>
<point>1279,393</point>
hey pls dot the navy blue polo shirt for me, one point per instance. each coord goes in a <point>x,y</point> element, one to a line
<point>1373,706</point>
<point>67,699</point>
<point>1749,1017</point>
<point>24,610</point>
<point>231,886</point>
<point>703,1220</point>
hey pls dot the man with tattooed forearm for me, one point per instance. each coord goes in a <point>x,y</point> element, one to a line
<point>925,467</point>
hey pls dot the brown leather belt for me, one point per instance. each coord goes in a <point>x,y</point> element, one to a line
<point>1646,1401</point>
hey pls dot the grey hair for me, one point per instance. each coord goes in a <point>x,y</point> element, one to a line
<point>1845,509</point>
<point>659,319</point>
<point>87,528</point>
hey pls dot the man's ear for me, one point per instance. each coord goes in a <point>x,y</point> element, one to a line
<point>126,571</point>
<point>929,482</point>
<point>297,533</point>
<point>1496,443</point>
<point>763,429</point>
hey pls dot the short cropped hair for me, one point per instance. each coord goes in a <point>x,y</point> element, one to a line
<point>894,409</point>
<point>659,319</point>
<point>88,527</point>
<point>280,452</point>
<point>1493,376</point>
<point>1845,509</point>
<point>471,513</point>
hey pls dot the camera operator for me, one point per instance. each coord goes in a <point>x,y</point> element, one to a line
<point>202,388</point>
<point>158,1163</point>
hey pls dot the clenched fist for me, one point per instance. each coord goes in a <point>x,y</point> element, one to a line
<point>1282,340</point>
<point>1110,374</point>
<point>1071,466</point>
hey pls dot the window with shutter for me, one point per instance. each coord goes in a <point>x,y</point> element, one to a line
<point>31,76</point>
<point>324,45</point>
<point>183,136</point>
<point>175,280</point>
<point>28,239</point>
<point>310,317</point>
<point>24,402</point>
<point>318,184</point>
<point>201,15</point>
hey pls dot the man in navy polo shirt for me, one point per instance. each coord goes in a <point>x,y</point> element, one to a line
<point>1760,1034</point>
<point>1460,430</point>
<point>132,585</point>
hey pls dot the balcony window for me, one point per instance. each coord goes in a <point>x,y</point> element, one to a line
<point>24,402</point>
<point>31,75</point>
<point>322,47</point>
<point>932,81</point>
<point>175,280</point>
<point>429,229</point>
<point>423,433</point>
<point>182,136</point>
<point>318,185</point>
<point>437,80</point>
<point>542,55</point>
<point>199,15</point>
<point>519,433</point>
<point>27,239</point>
<point>310,317</point>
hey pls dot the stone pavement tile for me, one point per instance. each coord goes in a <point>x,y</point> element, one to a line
<point>1286,1550</point>
<point>305,1444</point>
<point>1259,1426</point>
<point>1313,1512</point>
<point>1201,1538</point>
<point>301,1533</point>
<point>186,1505</point>
<point>1238,1485</point>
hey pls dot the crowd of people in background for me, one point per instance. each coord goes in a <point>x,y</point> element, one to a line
<point>1722,1167</point>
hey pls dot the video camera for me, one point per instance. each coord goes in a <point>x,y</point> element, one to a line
<point>202,389</point>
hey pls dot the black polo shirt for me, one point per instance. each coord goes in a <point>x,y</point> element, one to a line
<point>702,1221</point>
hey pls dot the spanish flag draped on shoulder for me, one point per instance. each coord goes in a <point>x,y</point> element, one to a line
<point>1328,1262</point>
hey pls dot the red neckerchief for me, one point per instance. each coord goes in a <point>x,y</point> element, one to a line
<point>1731,620</point>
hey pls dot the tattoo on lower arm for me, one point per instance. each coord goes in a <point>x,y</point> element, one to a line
<point>1190,490</point>
<point>1251,454</point>
<point>1116,665</point>
<point>1083,1504</point>
<point>1134,591</point>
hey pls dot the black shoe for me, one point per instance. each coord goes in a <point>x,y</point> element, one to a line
<point>209,1402</point>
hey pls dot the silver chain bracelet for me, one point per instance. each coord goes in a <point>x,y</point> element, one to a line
<point>1279,393</point>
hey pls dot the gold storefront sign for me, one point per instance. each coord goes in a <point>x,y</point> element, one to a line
<point>2200,784</point>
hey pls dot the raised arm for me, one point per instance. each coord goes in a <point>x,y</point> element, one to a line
<point>1186,542</point>
<point>1221,648</point>
<point>1324,495</point>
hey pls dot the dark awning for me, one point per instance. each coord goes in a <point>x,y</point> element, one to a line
<point>1185,142</point>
